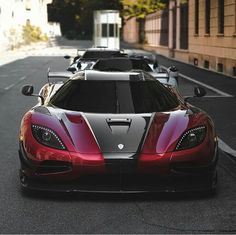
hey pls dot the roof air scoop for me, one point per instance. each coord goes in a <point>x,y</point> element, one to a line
<point>119,125</point>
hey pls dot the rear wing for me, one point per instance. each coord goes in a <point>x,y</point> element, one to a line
<point>58,77</point>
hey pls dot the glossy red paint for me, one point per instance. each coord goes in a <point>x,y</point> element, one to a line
<point>84,159</point>
<point>157,156</point>
<point>166,129</point>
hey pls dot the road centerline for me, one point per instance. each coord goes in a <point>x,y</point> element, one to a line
<point>226,148</point>
<point>222,93</point>
<point>9,87</point>
<point>22,78</point>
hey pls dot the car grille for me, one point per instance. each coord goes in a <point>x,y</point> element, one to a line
<point>50,166</point>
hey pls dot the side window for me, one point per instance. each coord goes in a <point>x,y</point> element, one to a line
<point>116,30</point>
<point>111,30</point>
<point>221,16</point>
<point>104,30</point>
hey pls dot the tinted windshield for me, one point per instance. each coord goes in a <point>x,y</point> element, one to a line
<point>122,65</point>
<point>100,54</point>
<point>114,97</point>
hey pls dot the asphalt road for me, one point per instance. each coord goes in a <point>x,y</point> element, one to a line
<point>86,213</point>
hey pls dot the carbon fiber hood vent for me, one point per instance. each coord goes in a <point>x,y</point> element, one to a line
<point>119,133</point>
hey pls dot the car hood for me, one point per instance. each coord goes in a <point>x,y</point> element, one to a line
<point>119,133</point>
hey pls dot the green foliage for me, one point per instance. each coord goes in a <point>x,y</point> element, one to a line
<point>76,16</point>
<point>141,8</point>
<point>32,34</point>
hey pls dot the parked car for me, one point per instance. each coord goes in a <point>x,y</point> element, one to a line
<point>116,132</point>
<point>90,56</point>
<point>166,77</point>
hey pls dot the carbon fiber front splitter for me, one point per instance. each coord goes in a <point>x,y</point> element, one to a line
<point>125,184</point>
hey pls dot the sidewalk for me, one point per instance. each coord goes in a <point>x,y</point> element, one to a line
<point>58,46</point>
<point>21,53</point>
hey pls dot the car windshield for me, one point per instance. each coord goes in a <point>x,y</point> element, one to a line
<point>100,54</point>
<point>114,97</point>
<point>122,65</point>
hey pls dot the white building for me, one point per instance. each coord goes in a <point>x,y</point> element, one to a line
<point>107,25</point>
<point>15,13</point>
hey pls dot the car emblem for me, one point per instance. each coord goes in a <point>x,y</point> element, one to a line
<point>120,146</point>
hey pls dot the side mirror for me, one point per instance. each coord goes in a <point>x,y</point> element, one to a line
<point>27,90</point>
<point>155,65</point>
<point>79,66</point>
<point>199,91</point>
<point>71,69</point>
<point>173,71</point>
<point>67,57</point>
<point>76,58</point>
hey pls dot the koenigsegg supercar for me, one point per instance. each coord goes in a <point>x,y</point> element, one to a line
<point>116,132</point>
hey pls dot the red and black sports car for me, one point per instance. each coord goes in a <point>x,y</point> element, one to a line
<point>116,132</point>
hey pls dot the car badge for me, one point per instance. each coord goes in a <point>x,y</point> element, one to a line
<point>120,146</point>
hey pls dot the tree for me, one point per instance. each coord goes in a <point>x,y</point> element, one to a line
<point>76,16</point>
<point>141,8</point>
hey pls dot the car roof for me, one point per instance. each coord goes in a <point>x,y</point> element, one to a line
<point>123,58</point>
<point>102,49</point>
<point>122,64</point>
<point>97,53</point>
<point>92,75</point>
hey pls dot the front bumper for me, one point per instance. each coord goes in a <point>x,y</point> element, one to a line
<point>123,184</point>
<point>114,178</point>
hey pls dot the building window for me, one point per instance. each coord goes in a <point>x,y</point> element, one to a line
<point>220,67</point>
<point>184,26</point>
<point>234,71</point>
<point>111,30</point>
<point>195,61</point>
<point>207,16</point>
<point>206,64</point>
<point>28,5</point>
<point>104,30</point>
<point>196,28</point>
<point>221,9</point>
<point>235,16</point>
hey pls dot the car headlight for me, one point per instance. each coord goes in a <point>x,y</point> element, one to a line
<point>192,138</point>
<point>47,137</point>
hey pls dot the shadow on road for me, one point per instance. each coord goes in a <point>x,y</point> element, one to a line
<point>64,43</point>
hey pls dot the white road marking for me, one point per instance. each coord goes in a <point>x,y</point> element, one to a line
<point>221,93</point>
<point>215,96</point>
<point>9,87</point>
<point>226,148</point>
<point>207,86</point>
<point>22,78</point>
